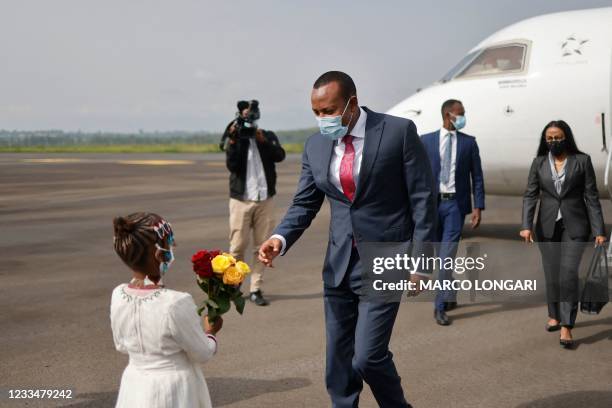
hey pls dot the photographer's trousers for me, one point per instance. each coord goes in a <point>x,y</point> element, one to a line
<point>246,218</point>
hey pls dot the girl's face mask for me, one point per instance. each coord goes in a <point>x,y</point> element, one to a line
<point>168,256</point>
<point>168,259</point>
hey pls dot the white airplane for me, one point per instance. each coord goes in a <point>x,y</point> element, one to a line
<point>555,66</point>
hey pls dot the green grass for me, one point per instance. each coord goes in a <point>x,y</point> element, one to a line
<point>132,148</point>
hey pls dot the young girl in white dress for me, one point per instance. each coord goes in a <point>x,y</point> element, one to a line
<point>158,328</point>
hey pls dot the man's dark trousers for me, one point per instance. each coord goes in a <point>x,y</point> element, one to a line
<point>450,223</point>
<point>358,335</point>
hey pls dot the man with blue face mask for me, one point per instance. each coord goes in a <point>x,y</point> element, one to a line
<point>455,158</point>
<point>375,173</point>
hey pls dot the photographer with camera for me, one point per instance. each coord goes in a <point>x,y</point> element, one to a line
<point>251,154</point>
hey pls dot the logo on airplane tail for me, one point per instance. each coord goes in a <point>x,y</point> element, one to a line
<point>572,45</point>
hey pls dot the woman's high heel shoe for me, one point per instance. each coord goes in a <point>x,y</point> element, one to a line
<point>566,343</point>
<point>552,328</point>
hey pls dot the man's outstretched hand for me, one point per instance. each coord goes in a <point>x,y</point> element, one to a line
<point>269,250</point>
<point>415,280</point>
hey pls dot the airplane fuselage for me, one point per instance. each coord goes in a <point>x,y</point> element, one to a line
<point>565,74</point>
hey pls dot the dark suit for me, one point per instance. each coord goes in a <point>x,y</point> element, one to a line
<point>394,202</point>
<point>581,220</point>
<point>469,180</point>
<point>579,199</point>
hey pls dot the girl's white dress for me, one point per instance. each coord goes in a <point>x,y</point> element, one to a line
<point>162,333</point>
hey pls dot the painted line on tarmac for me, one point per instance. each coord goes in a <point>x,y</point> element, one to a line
<point>56,161</point>
<point>215,164</point>
<point>157,162</point>
<point>126,162</point>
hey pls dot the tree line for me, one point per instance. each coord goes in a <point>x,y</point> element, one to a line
<point>21,138</point>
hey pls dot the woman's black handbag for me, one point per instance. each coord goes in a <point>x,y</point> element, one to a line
<point>595,293</point>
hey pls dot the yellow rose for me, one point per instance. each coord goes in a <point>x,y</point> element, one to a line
<point>231,258</point>
<point>233,276</point>
<point>221,262</point>
<point>243,268</point>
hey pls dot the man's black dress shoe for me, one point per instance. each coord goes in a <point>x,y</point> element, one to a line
<point>441,317</point>
<point>450,306</point>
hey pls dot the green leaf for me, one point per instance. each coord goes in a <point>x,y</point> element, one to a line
<point>212,303</point>
<point>201,309</point>
<point>212,314</point>
<point>203,284</point>
<point>235,294</point>
<point>224,304</point>
<point>239,302</point>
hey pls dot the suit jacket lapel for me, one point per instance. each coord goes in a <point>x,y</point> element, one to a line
<point>549,176</point>
<point>327,151</point>
<point>569,172</point>
<point>373,133</point>
<point>460,146</point>
<point>436,156</point>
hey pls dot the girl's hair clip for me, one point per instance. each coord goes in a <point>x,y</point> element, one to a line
<point>162,229</point>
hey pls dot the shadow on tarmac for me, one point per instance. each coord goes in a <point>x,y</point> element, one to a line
<point>591,399</point>
<point>218,386</point>
<point>249,388</point>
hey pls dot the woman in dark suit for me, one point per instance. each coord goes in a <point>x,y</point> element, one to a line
<point>562,179</point>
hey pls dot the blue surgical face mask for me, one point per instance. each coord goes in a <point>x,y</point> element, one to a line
<point>459,122</point>
<point>168,260</point>
<point>332,125</point>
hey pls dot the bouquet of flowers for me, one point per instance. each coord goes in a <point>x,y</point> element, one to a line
<point>219,275</point>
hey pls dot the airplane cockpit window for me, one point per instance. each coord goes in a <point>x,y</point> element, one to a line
<point>460,65</point>
<point>495,60</point>
<point>501,59</point>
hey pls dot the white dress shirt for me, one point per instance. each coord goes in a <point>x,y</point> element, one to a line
<point>256,187</point>
<point>444,140</point>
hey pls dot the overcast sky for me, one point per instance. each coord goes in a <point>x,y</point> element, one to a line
<point>125,65</point>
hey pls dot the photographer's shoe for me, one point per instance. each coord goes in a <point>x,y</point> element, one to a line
<point>258,299</point>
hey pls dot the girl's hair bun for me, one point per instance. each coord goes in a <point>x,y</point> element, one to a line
<point>122,226</point>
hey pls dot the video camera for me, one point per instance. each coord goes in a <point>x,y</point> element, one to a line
<point>245,125</point>
<point>252,116</point>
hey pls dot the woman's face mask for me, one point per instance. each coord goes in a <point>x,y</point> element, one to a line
<point>557,147</point>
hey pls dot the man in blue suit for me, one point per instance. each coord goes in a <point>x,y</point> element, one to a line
<point>456,167</point>
<point>375,173</point>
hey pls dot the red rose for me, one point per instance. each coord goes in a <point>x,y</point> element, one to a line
<point>202,265</point>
